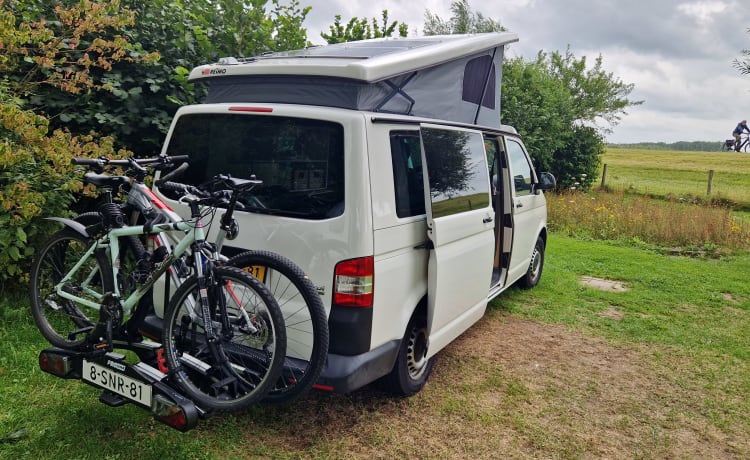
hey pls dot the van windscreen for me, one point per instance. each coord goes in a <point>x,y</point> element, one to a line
<point>299,160</point>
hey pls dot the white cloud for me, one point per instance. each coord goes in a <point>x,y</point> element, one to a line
<point>677,53</point>
<point>704,11</point>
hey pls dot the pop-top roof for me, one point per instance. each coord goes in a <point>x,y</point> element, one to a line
<point>365,60</point>
<point>450,77</point>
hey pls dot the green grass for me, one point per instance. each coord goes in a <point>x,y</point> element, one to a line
<point>688,320</point>
<point>679,336</point>
<point>679,302</point>
<point>664,173</point>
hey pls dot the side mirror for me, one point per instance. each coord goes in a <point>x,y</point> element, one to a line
<point>546,181</point>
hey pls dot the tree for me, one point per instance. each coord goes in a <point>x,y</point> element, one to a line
<point>360,29</point>
<point>743,64</point>
<point>559,104</point>
<point>61,52</point>
<point>463,21</point>
<point>143,95</point>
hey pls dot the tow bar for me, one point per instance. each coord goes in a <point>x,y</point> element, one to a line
<point>141,384</point>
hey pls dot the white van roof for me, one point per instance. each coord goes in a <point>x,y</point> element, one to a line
<point>365,60</point>
<point>451,77</point>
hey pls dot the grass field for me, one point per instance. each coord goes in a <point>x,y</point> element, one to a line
<point>562,371</point>
<point>657,369</point>
<point>681,174</point>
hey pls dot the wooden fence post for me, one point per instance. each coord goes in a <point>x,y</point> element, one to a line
<point>604,176</point>
<point>710,181</point>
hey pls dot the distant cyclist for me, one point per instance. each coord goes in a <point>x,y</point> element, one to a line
<point>738,131</point>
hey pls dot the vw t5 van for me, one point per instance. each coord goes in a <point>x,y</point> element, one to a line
<point>388,178</point>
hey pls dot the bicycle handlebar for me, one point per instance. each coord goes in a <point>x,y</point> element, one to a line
<point>184,188</point>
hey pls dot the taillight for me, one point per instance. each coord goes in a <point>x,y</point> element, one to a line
<point>54,363</point>
<point>353,283</point>
<point>170,413</point>
<point>250,109</point>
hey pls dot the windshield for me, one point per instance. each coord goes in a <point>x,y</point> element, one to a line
<point>299,160</point>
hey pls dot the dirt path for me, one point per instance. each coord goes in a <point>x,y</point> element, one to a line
<point>512,388</point>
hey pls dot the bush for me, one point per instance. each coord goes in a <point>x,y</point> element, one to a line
<point>576,164</point>
<point>36,177</point>
<point>36,181</point>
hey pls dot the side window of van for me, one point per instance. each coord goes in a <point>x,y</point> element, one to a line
<point>457,170</point>
<point>520,169</point>
<point>406,156</point>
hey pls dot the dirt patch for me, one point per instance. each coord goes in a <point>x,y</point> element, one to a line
<point>729,297</point>
<point>612,313</point>
<point>513,388</point>
<point>603,285</point>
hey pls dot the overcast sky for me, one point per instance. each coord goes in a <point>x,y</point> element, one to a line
<point>677,53</point>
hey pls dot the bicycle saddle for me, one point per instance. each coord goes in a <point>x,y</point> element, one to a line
<point>104,180</point>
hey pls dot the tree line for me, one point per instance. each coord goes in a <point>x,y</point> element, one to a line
<point>92,78</point>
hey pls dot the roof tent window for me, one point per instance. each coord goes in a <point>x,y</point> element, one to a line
<point>475,78</point>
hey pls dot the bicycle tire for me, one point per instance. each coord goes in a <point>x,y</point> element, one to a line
<point>242,364</point>
<point>62,322</point>
<point>305,320</point>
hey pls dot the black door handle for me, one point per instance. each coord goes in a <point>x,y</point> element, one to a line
<point>487,220</point>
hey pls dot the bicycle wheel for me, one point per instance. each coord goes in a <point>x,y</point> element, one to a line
<point>304,319</point>
<point>244,362</point>
<point>64,323</point>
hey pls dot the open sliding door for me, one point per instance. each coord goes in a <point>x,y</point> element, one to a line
<point>460,226</point>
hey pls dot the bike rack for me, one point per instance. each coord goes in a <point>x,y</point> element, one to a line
<point>124,383</point>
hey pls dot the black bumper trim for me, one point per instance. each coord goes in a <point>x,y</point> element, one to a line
<point>348,373</point>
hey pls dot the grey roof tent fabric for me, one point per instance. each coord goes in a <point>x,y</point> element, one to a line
<point>449,78</point>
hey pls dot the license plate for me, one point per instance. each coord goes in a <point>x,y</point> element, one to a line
<point>258,271</point>
<point>114,381</point>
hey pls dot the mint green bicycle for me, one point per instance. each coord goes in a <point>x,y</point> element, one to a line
<point>223,339</point>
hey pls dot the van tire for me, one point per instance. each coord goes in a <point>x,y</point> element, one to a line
<point>412,368</point>
<point>534,273</point>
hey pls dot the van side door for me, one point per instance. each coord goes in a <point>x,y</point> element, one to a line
<point>460,227</point>
<point>526,215</point>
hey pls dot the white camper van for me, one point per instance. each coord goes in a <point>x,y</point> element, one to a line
<point>388,178</point>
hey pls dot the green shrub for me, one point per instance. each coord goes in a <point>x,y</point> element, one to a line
<point>37,180</point>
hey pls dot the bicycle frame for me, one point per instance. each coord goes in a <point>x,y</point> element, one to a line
<point>140,196</point>
<point>194,233</point>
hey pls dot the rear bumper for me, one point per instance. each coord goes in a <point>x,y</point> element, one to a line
<point>344,374</point>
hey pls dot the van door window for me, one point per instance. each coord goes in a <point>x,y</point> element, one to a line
<point>299,160</point>
<point>408,184</point>
<point>457,170</point>
<point>520,169</point>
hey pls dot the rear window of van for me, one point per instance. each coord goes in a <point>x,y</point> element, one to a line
<point>299,160</point>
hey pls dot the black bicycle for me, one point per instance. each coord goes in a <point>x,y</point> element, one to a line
<point>733,145</point>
